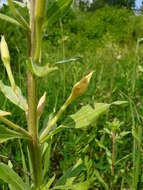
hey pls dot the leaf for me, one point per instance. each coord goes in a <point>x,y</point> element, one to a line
<point>15,97</point>
<point>101,180</point>
<point>7,134</point>
<point>11,177</point>
<point>119,103</point>
<point>4,113</point>
<point>74,171</point>
<point>77,186</point>
<point>20,4</point>
<point>47,158</point>
<point>136,135</point>
<point>85,116</point>
<point>81,186</point>
<point>9,19</point>
<point>69,60</point>
<point>55,10</point>
<point>48,185</point>
<point>101,108</point>
<point>25,170</point>
<point>40,71</point>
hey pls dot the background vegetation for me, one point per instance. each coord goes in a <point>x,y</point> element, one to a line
<point>106,40</point>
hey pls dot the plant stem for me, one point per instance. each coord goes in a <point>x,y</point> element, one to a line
<point>34,146</point>
<point>55,119</point>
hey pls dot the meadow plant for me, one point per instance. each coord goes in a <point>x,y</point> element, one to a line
<point>41,15</point>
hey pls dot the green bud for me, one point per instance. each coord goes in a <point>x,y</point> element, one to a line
<point>6,61</point>
<point>4,52</point>
<point>80,87</point>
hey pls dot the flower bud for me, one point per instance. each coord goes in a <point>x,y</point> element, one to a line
<point>4,52</point>
<point>80,87</point>
<point>41,105</point>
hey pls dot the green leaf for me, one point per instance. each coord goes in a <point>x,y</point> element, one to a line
<point>25,170</point>
<point>15,97</point>
<point>40,71</point>
<point>69,60</point>
<point>55,10</point>
<point>117,103</point>
<point>47,158</point>
<point>74,171</point>
<point>9,19</point>
<point>101,180</point>
<point>20,4</point>
<point>7,134</point>
<point>101,108</point>
<point>77,186</point>
<point>85,116</point>
<point>4,113</point>
<point>48,185</point>
<point>11,177</point>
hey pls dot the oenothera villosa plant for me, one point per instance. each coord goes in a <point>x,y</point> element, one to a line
<point>41,15</point>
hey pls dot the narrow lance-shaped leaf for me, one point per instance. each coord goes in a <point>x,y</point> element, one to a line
<point>12,178</point>
<point>73,59</point>
<point>9,19</point>
<point>18,15</point>
<point>4,113</point>
<point>7,134</point>
<point>20,4</point>
<point>24,165</point>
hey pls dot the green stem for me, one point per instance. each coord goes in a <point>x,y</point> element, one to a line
<point>38,41</point>
<point>34,146</point>
<point>55,119</point>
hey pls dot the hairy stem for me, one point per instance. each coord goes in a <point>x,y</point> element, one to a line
<point>34,146</point>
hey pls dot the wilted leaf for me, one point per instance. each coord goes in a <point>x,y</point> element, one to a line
<point>12,178</point>
<point>15,97</point>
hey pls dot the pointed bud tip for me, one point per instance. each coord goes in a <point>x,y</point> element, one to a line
<point>80,87</point>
